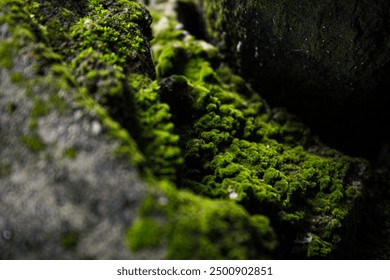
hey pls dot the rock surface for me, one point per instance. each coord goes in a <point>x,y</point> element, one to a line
<point>63,193</point>
<point>327,61</point>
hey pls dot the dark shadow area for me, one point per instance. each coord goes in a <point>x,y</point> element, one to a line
<point>190,16</point>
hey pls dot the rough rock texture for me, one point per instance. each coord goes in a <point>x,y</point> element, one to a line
<point>327,61</point>
<point>99,159</point>
<point>63,193</point>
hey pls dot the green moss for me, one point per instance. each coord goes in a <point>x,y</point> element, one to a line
<point>5,169</point>
<point>196,227</point>
<point>69,240</point>
<point>225,171</point>
<point>235,148</point>
<point>144,233</point>
<point>208,221</point>
<point>39,109</point>
<point>105,81</point>
<point>11,108</point>
<point>33,142</point>
<point>70,153</point>
<point>6,54</point>
<point>318,247</point>
<point>16,77</point>
<point>128,147</point>
<point>156,135</point>
<point>113,30</point>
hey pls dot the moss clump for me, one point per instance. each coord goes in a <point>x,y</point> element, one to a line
<point>69,240</point>
<point>70,153</point>
<point>145,233</point>
<point>33,142</point>
<point>236,148</point>
<point>318,247</point>
<point>6,54</point>
<point>105,81</point>
<point>201,228</point>
<point>156,135</point>
<point>119,31</point>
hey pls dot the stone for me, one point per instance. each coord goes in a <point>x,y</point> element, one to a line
<point>64,193</point>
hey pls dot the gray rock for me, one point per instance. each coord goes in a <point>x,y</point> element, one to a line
<point>63,192</point>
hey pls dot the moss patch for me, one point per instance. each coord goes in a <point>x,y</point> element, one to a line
<point>33,142</point>
<point>145,233</point>
<point>196,227</point>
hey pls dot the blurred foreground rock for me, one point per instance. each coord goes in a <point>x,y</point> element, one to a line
<point>66,190</point>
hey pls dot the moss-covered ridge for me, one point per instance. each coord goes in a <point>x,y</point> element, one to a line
<point>327,62</point>
<point>143,138</point>
<point>229,178</point>
<point>236,148</point>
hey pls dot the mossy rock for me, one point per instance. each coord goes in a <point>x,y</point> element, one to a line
<point>327,62</point>
<point>66,194</point>
<point>236,148</point>
<point>201,228</point>
<point>108,161</point>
